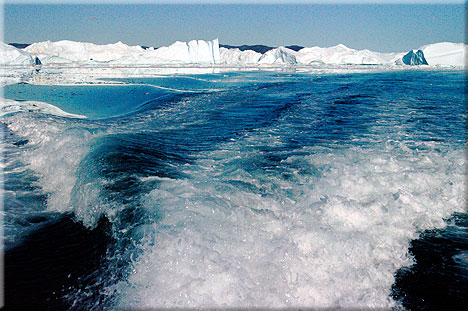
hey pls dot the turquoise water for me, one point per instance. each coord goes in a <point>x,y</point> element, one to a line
<point>235,190</point>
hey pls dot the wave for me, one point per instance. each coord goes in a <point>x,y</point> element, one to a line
<point>270,191</point>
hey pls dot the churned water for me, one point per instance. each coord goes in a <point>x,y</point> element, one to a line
<point>237,190</point>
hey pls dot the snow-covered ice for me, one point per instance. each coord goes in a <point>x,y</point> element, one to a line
<point>195,51</point>
<point>71,51</point>
<point>445,54</point>
<point>11,56</point>
<point>201,52</point>
<point>192,52</point>
<point>279,55</point>
<point>341,54</point>
<point>238,57</point>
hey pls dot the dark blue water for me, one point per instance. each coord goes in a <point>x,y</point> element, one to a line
<point>237,190</point>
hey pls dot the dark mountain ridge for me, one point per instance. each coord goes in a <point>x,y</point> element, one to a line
<point>260,48</point>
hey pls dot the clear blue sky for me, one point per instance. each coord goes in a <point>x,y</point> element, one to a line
<point>388,27</point>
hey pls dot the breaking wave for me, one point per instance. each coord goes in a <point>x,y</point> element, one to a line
<point>236,190</point>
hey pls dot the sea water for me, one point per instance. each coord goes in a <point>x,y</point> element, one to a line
<point>247,189</point>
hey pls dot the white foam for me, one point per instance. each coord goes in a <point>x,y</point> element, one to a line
<point>56,149</point>
<point>331,239</point>
<point>238,237</point>
<point>8,106</point>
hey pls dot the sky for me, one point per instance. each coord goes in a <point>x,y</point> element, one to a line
<point>387,27</point>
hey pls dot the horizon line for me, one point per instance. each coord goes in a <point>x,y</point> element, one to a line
<point>217,2</point>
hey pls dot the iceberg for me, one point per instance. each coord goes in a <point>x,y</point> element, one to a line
<point>279,55</point>
<point>235,56</point>
<point>341,54</point>
<point>445,54</point>
<point>192,52</point>
<point>336,55</point>
<point>414,58</point>
<point>66,51</point>
<point>70,53</point>
<point>204,51</point>
<point>63,52</point>
<point>11,56</point>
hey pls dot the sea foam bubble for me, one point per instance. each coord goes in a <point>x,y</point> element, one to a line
<point>236,237</point>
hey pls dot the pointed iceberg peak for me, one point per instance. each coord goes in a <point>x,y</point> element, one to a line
<point>342,46</point>
<point>414,57</point>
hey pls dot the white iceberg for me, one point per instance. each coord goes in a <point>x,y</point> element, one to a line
<point>11,56</point>
<point>62,52</point>
<point>69,53</point>
<point>445,54</point>
<point>341,54</point>
<point>279,55</point>
<point>193,52</point>
<point>238,57</point>
<point>336,55</point>
<point>79,52</point>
